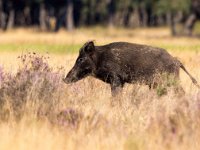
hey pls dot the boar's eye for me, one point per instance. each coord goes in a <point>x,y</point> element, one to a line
<point>80,60</point>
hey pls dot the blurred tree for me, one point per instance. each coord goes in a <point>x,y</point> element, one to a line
<point>122,11</point>
<point>194,15</point>
<point>172,9</point>
<point>133,17</point>
<point>70,19</point>
<point>43,18</point>
<point>111,11</point>
<point>84,10</point>
<point>60,7</point>
<point>9,14</point>
<point>125,13</point>
<point>1,13</point>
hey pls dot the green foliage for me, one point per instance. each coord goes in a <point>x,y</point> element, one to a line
<point>167,81</point>
<point>93,11</point>
<point>128,13</point>
<point>164,6</point>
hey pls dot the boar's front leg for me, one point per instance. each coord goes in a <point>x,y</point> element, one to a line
<point>116,86</point>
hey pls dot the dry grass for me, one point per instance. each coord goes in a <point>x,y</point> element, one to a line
<point>152,36</point>
<point>142,121</point>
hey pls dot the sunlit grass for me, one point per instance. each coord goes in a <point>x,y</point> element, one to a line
<point>197,27</point>
<point>70,42</point>
<point>39,47</point>
<point>74,48</point>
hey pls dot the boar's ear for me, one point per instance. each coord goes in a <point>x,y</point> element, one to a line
<point>89,47</point>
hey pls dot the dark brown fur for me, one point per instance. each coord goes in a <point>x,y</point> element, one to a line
<point>121,62</point>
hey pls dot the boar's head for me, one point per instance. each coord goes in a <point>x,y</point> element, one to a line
<point>84,65</point>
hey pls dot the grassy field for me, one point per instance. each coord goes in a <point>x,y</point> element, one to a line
<point>38,111</point>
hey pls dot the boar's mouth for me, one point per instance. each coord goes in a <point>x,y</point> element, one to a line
<point>74,78</point>
<point>68,80</point>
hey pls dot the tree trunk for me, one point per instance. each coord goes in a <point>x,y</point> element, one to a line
<point>171,22</point>
<point>159,21</point>
<point>11,19</point>
<point>144,17</point>
<point>134,20</point>
<point>189,25</point>
<point>119,18</point>
<point>42,17</point>
<point>27,15</point>
<point>168,18</point>
<point>111,11</point>
<point>111,20</point>
<point>70,16</point>
<point>173,26</point>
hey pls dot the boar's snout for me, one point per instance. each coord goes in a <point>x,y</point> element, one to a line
<point>66,80</point>
<point>71,77</point>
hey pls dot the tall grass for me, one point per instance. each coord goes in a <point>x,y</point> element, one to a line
<point>39,111</point>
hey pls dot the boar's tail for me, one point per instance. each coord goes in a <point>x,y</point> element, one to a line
<point>191,77</point>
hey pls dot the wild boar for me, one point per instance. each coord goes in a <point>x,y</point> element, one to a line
<point>121,62</point>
